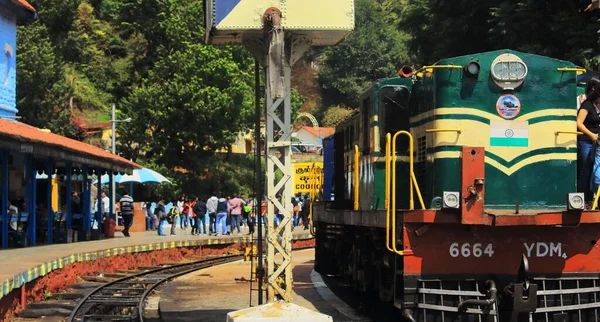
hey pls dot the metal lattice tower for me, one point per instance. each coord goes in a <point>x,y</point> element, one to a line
<point>277,33</point>
<point>279,157</point>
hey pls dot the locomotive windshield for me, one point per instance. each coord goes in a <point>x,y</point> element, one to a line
<point>393,111</point>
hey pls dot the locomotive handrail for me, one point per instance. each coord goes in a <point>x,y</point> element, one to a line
<point>571,69</point>
<point>567,132</point>
<point>388,139</point>
<point>356,178</point>
<point>595,204</point>
<point>432,67</point>
<point>412,181</point>
<point>313,194</point>
<point>459,131</point>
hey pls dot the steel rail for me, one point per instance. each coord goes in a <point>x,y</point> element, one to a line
<point>196,265</point>
<point>219,261</point>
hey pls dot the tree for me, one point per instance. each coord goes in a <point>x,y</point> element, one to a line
<point>554,28</point>
<point>335,114</point>
<point>193,103</point>
<point>441,29</point>
<point>42,92</point>
<point>374,50</point>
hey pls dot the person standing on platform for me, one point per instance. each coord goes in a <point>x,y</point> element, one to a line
<point>184,218</point>
<point>228,219</point>
<point>173,216</point>
<point>149,217</point>
<point>200,211</point>
<point>75,203</point>
<point>236,213</point>
<point>251,209</point>
<point>306,212</point>
<point>126,207</point>
<point>222,210</point>
<point>192,204</point>
<point>211,206</point>
<point>161,214</point>
<point>105,205</point>
<point>101,207</point>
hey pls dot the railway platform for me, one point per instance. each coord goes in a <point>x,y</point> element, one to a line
<point>210,294</point>
<point>24,265</point>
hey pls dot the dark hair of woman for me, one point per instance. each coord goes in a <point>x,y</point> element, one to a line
<point>592,90</point>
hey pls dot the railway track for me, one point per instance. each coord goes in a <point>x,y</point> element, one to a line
<point>124,299</point>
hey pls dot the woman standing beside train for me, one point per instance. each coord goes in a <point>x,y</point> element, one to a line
<point>588,158</point>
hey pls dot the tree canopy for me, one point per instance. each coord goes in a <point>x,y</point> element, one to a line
<point>188,100</point>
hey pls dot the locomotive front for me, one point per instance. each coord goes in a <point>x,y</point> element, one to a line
<point>482,221</point>
<point>498,134</point>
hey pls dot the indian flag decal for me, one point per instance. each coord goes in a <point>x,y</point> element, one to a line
<point>509,133</point>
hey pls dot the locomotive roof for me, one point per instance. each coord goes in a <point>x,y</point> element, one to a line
<point>502,51</point>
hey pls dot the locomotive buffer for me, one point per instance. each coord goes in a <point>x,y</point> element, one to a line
<point>277,33</point>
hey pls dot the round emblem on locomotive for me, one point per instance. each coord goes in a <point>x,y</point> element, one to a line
<point>509,133</point>
<point>508,106</point>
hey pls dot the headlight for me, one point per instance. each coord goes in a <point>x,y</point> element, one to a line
<point>508,71</point>
<point>576,201</point>
<point>472,68</point>
<point>451,199</point>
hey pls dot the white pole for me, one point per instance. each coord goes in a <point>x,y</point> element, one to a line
<point>114,151</point>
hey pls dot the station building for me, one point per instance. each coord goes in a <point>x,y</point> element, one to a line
<point>39,170</point>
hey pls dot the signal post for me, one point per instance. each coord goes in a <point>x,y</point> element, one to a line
<point>278,33</point>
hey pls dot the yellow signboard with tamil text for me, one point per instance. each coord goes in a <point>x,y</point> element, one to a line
<point>307,177</point>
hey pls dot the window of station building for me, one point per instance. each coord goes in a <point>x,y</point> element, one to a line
<point>394,114</point>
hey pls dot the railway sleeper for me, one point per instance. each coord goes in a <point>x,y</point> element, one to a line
<point>45,312</point>
<point>110,317</point>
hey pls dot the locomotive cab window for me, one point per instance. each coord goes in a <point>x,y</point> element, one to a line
<point>394,116</point>
<point>365,143</point>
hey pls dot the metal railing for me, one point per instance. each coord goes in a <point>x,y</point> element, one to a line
<point>390,166</point>
<point>314,190</point>
<point>430,68</point>
<point>579,71</point>
<point>595,204</point>
<point>567,132</point>
<point>459,131</point>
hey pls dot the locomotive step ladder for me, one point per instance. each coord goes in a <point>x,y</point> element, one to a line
<point>390,188</point>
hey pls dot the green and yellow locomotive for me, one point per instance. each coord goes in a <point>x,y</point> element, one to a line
<point>456,194</point>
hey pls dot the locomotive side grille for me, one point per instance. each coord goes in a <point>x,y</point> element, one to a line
<point>574,299</point>
<point>438,300</point>
<point>421,149</point>
<point>420,164</point>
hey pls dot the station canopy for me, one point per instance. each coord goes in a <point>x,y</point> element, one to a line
<point>24,138</point>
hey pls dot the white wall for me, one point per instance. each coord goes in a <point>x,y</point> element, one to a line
<point>307,137</point>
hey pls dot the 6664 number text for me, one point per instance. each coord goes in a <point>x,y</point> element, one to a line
<point>468,250</point>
